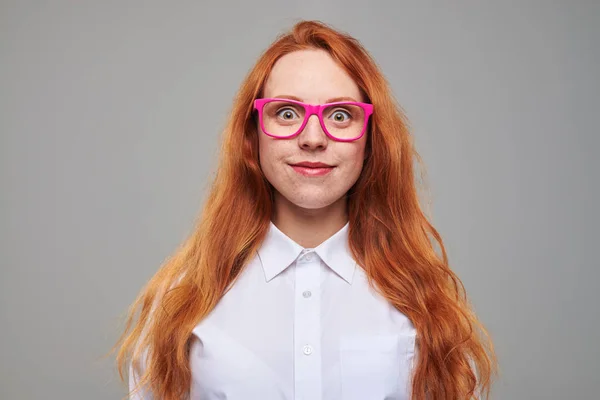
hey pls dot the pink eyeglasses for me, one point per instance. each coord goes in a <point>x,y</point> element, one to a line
<point>343,121</point>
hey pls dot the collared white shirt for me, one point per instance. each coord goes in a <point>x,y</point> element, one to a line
<point>302,324</point>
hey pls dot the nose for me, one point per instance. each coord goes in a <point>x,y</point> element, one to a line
<point>312,136</point>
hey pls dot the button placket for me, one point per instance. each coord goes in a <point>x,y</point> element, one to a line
<point>307,327</point>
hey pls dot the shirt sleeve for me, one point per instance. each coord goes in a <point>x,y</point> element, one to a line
<point>142,393</point>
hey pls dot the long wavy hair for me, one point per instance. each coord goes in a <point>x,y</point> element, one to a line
<point>390,237</point>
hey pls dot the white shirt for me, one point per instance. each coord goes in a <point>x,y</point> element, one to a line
<point>302,324</point>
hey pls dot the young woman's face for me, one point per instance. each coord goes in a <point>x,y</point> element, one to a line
<point>313,77</point>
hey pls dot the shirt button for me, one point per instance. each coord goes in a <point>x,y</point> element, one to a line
<point>309,256</point>
<point>306,294</point>
<point>307,350</point>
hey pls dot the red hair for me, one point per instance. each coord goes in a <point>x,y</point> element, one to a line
<point>389,236</point>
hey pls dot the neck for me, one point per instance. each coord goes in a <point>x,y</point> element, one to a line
<point>309,227</point>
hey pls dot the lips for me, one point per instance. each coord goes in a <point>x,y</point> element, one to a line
<point>308,164</point>
<point>312,168</point>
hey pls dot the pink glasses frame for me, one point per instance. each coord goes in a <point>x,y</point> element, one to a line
<point>313,109</point>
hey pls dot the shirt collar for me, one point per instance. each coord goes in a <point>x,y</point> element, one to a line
<point>278,251</point>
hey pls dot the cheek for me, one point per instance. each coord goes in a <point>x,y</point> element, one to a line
<point>263,151</point>
<point>270,155</point>
<point>355,159</point>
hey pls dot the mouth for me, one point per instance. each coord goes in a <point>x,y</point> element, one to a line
<point>312,169</point>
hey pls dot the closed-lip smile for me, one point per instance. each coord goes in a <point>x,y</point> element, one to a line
<point>308,168</point>
<point>308,164</point>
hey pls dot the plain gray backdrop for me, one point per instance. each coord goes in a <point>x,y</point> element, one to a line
<point>110,114</point>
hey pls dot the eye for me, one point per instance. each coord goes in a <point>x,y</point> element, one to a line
<point>287,114</point>
<point>341,116</point>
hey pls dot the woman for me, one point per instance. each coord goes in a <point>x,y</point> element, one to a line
<point>312,272</point>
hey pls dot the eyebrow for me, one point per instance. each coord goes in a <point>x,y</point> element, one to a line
<point>332,100</point>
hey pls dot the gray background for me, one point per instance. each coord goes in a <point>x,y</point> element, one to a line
<point>110,115</point>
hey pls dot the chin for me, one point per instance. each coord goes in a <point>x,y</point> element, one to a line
<point>311,205</point>
<point>313,201</point>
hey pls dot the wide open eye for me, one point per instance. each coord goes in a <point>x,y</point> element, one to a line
<point>287,114</point>
<point>340,115</point>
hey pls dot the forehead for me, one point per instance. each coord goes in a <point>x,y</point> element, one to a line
<point>311,75</point>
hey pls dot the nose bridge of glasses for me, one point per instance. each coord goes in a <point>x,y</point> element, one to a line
<point>313,110</point>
